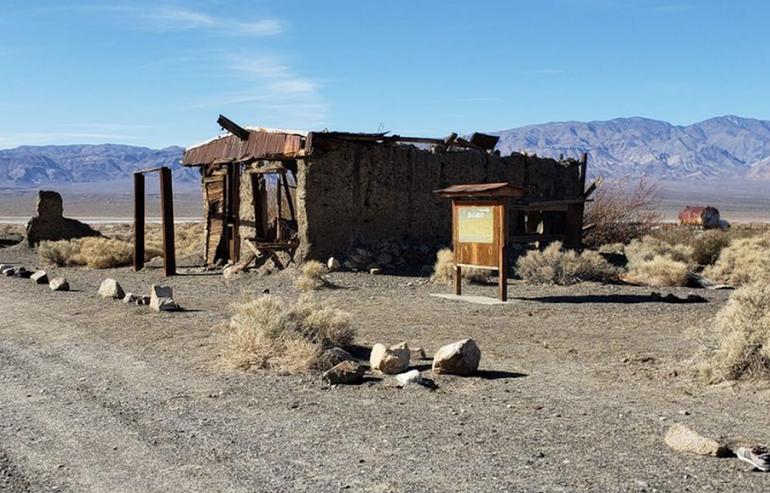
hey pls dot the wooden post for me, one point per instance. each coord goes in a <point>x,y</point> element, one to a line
<point>502,278</point>
<point>458,280</point>
<point>279,212</point>
<point>138,221</point>
<point>167,216</point>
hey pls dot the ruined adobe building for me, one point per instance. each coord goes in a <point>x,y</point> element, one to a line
<point>319,193</point>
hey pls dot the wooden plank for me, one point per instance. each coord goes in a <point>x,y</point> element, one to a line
<point>289,201</point>
<point>458,280</point>
<point>167,216</point>
<point>138,221</point>
<point>233,127</point>
<point>502,273</point>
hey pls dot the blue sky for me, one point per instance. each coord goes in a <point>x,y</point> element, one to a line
<point>158,73</point>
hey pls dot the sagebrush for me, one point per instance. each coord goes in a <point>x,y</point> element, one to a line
<point>660,270</point>
<point>312,275</point>
<point>743,261</point>
<point>553,265</point>
<point>93,252</point>
<point>444,269</point>
<point>739,344</point>
<point>271,334</point>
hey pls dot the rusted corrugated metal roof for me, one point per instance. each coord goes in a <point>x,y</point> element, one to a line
<point>259,145</point>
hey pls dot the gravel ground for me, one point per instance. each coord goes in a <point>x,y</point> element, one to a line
<point>576,389</point>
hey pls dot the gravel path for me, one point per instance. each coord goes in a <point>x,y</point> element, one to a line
<point>99,396</point>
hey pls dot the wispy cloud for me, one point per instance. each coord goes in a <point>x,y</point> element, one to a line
<point>275,91</point>
<point>174,18</point>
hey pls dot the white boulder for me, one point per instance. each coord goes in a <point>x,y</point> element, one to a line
<point>458,358</point>
<point>110,288</point>
<point>390,360</point>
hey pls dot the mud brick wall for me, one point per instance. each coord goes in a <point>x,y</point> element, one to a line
<point>361,192</point>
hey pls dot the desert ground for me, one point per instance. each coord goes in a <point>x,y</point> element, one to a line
<point>576,389</point>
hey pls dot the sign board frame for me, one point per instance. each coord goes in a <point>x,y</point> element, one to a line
<point>483,254</point>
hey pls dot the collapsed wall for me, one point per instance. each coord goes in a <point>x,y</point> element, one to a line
<point>50,223</point>
<point>352,192</point>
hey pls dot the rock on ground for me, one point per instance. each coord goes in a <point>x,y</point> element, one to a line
<point>333,264</point>
<point>40,277</point>
<point>390,360</point>
<point>458,358</point>
<point>412,376</point>
<point>59,284</point>
<point>347,372</point>
<point>130,298</point>
<point>22,272</point>
<point>683,439</point>
<point>8,271</point>
<point>110,288</point>
<point>162,299</point>
<point>335,356</point>
<point>50,223</point>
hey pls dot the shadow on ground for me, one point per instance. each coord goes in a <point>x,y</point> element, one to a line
<point>615,298</point>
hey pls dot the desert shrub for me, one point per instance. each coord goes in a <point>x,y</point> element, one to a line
<point>649,247</point>
<point>444,269</point>
<point>740,341</point>
<point>707,247</point>
<point>104,253</point>
<point>556,266</point>
<point>743,261</point>
<point>188,239</point>
<point>311,276</point>
<point>60,253</point>
<point>621,212</point>
<point>93,252</point>
<point>660,270</point>
<point>268,333</point>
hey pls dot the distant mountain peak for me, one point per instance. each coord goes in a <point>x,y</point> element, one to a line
<point>51,165</point>
<point>725,146</point>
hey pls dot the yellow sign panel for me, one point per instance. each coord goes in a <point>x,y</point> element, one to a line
<point>475,224</point>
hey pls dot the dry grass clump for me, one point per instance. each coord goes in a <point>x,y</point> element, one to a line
<point>707,247</point>
<point>93,252</point>
<point>660,270</point>
<point>648,247</point>
<point>188,238</point>
<point>556,266</point>
<point>743,261</point>
<point>311,276</point>
<point>740,343</point>
<point>621,212</point>
<point>444,269</point>
<point>267,333</point>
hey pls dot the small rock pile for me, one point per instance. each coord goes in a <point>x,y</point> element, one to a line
<point>386,256</point>
<point>458,358</point>
<point>161,298</point>
<point>38,277</point>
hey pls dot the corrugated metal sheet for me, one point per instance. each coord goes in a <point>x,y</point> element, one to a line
<point>260,145</point>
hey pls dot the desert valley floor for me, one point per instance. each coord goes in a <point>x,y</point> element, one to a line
<point>576,390</point>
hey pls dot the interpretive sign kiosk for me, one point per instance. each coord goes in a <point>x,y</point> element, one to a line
<point>480,228</point>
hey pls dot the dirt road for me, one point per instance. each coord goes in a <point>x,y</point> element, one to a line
<point>98,396</point>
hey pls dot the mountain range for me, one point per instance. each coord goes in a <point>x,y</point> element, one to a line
<point>723,147</point>
<point>31,166</point>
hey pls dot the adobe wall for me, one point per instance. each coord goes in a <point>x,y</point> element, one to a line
<point>361,193</point>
